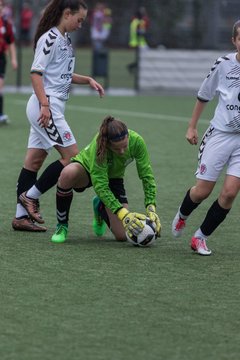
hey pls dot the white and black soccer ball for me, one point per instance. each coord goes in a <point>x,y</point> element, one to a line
<point>147,237</point>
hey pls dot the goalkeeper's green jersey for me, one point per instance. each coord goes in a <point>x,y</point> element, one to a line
<point>114,166</point>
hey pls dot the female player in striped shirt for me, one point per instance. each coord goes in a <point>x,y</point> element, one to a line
<point>220,147</point>
<point>52,74</point>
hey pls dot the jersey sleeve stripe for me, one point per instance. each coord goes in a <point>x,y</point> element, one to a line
<point>36,72</point>
<point>217,62</point>
<point>202,100</point>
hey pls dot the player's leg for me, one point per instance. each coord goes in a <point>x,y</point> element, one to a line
<point>104,215</point>
<point>216,214</point>
<point>51,174</point>
<point>46,181</point>
<point>229,191</point>
<point>191,201</point>
<point>3,117</point>
<point>27,178</point>
<point>100,218</point>
<point>228,147</point>
<point>221,207</point>
<point>116,225</point>
<point>73,176</point>
<point>58,135</point>
<point>214,152</point>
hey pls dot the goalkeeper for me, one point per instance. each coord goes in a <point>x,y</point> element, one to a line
<point>102,165</point>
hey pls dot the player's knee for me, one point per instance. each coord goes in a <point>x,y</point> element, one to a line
<point>65,161</point>
<point>36,164</point>
<point>67,176</point>
<point>64,176</point>
<point>227,197</point>
<point>198,194</point>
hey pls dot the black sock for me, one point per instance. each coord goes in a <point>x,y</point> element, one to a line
<point>49,177</point>
<point>103,213</point>
<point>1,104</point>
<point>188,205</point>
<point>215,215</point>
<point>63,202</point>
<point>25,181</point>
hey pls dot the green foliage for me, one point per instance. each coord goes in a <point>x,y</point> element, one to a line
<point>94,298</point>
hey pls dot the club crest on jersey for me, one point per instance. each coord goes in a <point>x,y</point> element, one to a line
<point>202,169</point>
<point>67,136</point>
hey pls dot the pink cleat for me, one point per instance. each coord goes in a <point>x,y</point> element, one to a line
<point>199,246</point>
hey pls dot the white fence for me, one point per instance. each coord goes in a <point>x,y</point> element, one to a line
<point>179,70</point>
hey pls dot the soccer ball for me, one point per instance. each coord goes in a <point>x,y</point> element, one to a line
<point>147,237</point>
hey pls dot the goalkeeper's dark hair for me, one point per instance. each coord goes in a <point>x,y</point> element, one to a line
<point>111,130</point>
<point>236,26</point>
<point>52,14</point>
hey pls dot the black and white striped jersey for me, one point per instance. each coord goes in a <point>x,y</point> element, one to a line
<point>223,80</point>
<point>54,59</point>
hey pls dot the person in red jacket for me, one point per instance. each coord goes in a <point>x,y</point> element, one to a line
<point>26,23</point>
<point>7,46</point>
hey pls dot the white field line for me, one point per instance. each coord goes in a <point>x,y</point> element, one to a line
<point>117,112</point>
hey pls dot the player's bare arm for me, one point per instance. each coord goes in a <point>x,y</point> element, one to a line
<point>38,87</point>
<point>13,56</point>
<point>192,133</point>
<point>87,80</point>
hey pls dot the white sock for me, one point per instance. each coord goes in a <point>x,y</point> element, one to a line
<point>20,211</point>
<point>199,234</point>
<point>184,217</point>
<point>34,193</point>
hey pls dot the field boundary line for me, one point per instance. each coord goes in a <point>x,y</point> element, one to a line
<point>118,112</point>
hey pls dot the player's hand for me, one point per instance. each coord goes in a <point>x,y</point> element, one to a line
<point>153,216</point>
<point>192,136</point>
<point>96,86</point>
<point>44,117</point>
<point>131,221</point>
<point>14,64</point>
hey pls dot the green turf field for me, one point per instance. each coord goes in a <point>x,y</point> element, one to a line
<point>119,76</point>
<point>96,299</point>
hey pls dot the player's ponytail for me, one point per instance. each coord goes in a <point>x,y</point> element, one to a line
<point>52,14</point>
<point>111,130</point>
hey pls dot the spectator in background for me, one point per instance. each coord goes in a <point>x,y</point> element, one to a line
<point>138,29</point>
<point>7,11</point>
<point>7,46</point>
<point>26,23</point>
<point>138,32</point>
<point>101,23</point>
<point>145,17</point>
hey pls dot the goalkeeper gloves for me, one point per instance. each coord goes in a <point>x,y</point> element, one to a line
<point>131,221</point>
<point>153,216</point>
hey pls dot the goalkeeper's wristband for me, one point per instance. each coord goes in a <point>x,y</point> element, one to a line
<point>151,207</point>
<point>122,213</point>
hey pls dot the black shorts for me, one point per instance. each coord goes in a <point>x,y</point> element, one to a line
<point>116,186</point>
<point>3,63</point>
